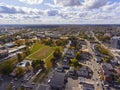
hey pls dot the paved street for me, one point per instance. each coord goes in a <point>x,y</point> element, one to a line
<point>95,67</point>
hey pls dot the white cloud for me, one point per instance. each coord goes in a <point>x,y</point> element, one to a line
<point>94,4</point>
<point>52,12</point>
<point>7,9</point>
<point>32,1</point>
<point>64,11</point>
<point>67,2</point>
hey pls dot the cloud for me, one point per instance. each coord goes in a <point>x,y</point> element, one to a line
<point>67,2</point>
<point>110,7</point>
<point>18,10</point>
<point>83,14</point>
<point>32,1</point>
<point>94,4</point>
<point>1,16</point>
<point>31,17</point>
<point>10,10</point>
<point>52,12</point>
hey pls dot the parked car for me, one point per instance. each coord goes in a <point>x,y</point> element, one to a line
<point>71,71</point>
<point>60,69</point>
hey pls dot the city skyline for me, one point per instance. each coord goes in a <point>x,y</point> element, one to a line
<point>59,11</point>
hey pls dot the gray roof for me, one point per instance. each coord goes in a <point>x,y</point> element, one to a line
<point>84,71</point>
<point>44,87</point>
<point>87,86</point>
<point>107,66</point>
<point>57,80</point>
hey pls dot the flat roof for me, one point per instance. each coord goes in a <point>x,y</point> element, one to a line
<point>23,63</point>
<point>58,80</point>
<point>3,51</point>
<point>44,87</point>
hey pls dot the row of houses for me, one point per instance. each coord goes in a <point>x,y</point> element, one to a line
<point>108,71</point>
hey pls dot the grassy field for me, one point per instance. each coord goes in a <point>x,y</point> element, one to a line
<point>36,47</point>
<point>12,61</point>
<point>42,52</point>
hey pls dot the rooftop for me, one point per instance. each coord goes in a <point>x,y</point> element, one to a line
<point>44,87</point>
<point>58,80</point>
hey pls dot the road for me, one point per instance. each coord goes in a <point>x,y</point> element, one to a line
<point>96,39</point>
<point>65,49</point>
<point>95,67</point>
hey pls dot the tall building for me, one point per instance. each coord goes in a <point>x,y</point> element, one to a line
<point>115,42</point>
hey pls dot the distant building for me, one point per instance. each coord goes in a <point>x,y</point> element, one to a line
<point>3,53</point>
<point>115,42</point>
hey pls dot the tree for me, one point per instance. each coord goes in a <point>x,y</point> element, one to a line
<point>27,65</point>
<point>7,69</point>
<point>61,42</point>
<point>106,60</point>
<point>52,62</point>
<point>19,57</point>
<point>102,77</point>
<point>118,80</point>
<point>19,72</point>
<point>57,54</point>
<point>75,63</point>
<point>78,56</point>
<point>27,51</point>
<point>37,64</point>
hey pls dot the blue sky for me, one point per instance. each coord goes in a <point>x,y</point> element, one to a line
<point>59,11</point>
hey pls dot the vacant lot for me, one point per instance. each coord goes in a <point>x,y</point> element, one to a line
<point>36,47</point>
<point>42,53</point>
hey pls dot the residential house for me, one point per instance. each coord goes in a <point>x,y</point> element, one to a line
<point>70,53</point>
<point>85,72</point>
<point>108,71</point>
<point>3,53</point>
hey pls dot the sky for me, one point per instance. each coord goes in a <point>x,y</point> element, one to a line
<point>59,11</point>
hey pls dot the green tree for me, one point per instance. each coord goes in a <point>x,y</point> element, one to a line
<point>52,61</point>
<point>20,71</point>
<point>57,54</point>
<point>118,80</point>
<point>75,63</point>
<point>106,60</point>
<point>27,65</point>
<point>7,69</point>
<point>78,55</point>
<point>19,57</point>
<point>102,77</point>
<point>27,51</point>
<point>37,64</point>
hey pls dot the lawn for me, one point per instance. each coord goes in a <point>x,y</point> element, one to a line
<point>36,47</point>
<point>42,53</point>
<point>12,61</point>
<point>47,61</point>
